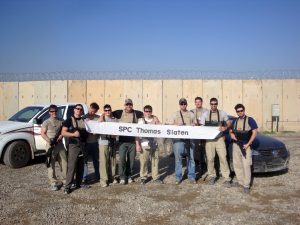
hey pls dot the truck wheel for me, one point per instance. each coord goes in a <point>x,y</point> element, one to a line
<point>17,154</point>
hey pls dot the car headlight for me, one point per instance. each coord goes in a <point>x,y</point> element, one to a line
<point>254,152</point>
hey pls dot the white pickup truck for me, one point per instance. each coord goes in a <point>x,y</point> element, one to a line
<point>20,136</point>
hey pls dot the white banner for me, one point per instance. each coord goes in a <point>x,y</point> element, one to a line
<point>149,130</point>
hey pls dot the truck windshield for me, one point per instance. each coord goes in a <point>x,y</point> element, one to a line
<point>26,114</point>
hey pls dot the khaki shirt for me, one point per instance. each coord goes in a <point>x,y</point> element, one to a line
<point>240,124</point>
<point>52,125</point>
<point>104,138</point>
<point>188,118</point>
<point>127,117</point>
<point>80,122</point>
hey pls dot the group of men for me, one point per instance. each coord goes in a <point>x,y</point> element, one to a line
<point>102,147</point>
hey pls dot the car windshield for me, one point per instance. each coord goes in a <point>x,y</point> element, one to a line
<point>26,114</point>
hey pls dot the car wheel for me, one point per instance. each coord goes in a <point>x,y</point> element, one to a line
<point>17,154</point>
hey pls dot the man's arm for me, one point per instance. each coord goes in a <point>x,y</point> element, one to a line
<point>101,118</point>
<point>253,136</point>
<point>252,123</point>
<point>172,119</point>
<point>117,113</point>
<point>66,133</point>
<point>44,134</point>
<point>232,135</point>
<point>156,120</point>
<point>138,147</point>
<point>194,119</point>
<point>227,123</point>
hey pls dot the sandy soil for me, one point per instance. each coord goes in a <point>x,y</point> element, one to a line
<point>25,198</point>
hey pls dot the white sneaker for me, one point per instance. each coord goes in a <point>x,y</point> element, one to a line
<point>122,182</point>
<point>53,187</point>
<point>130,180</point>
<point>104,185</point>
<point>115,181</point>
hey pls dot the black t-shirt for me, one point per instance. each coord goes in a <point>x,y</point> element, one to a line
<point>69,124</point>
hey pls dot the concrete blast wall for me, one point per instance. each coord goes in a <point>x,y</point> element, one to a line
<point>258,96</point>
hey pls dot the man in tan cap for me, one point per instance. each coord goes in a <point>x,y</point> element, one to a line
<point>127,145</point>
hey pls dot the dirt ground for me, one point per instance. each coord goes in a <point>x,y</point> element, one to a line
<point>25,198</point>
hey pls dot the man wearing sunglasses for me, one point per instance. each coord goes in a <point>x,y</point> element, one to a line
<point>74,129</point>
<point>107,151</point>
<point>51,129</point>
<point>92,149</point>
<point>149,149</point>
<point>127,145</point>
<point>184,147</point>
<point>243,132</point>
<point>216,118</point>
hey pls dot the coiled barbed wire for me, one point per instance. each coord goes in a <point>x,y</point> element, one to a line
<point>152,75</point>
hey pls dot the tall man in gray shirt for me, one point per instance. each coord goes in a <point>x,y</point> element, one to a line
<point>199,144</point>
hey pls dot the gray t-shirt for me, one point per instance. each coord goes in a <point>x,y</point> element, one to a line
<point>198,113</point>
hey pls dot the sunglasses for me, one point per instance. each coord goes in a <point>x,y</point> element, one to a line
<point>79,109</point>
<point>213,103</point>
<point>183,104</point>
<point>238,111</point>
<point>52,111</point>
<point>107,110</point>
<point>128,104</point>
<point>147,111</point>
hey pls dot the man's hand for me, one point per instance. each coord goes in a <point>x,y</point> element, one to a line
<point>52,142</point>
<point>101,118</point>
<point>138,148</point>
<point>245,146</point>
<point>233,137</point>
<point>222,128</point>
<point>59,138</point>
<point>76,134</point>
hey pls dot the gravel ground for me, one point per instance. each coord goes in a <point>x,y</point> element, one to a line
<point>25,198</point>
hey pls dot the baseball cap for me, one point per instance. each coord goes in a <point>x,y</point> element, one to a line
<point>128,101</point>
<point>182,100</point>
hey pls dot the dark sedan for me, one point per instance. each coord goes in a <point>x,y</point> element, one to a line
<point>268,154</point>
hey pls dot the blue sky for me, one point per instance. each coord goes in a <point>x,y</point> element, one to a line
<point>149,35</point>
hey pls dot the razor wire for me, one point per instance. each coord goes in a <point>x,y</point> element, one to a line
<point>152,75</point>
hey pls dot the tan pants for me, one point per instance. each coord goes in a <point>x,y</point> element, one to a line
<point>242,165</point>
<point>147,153</point>
<point>211,147</point>
<point>107,158</point>
<point>58,154</point>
